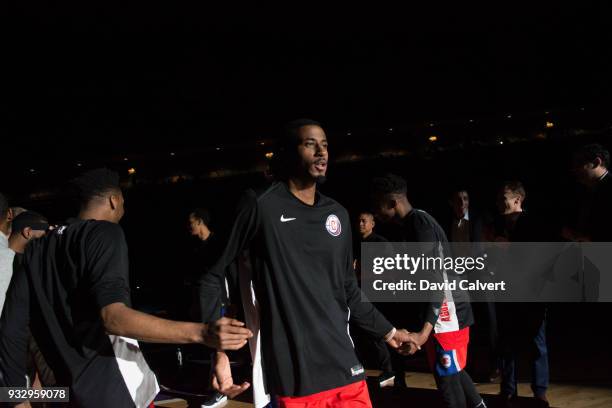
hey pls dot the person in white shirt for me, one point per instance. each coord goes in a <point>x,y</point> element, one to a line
<point>6,254</point>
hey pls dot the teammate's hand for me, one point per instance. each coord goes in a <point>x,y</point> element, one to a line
<point>222,380</point>
<point>399,338</point>
<point>226,334</point>
<point>419,338</point>
<point>408,348</point>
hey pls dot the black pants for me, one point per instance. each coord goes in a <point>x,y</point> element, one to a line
<point>458,391</point>
<point>371,352</point>
<point>382,355</point>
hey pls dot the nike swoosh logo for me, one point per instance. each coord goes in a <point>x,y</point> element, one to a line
<point>283,219</point>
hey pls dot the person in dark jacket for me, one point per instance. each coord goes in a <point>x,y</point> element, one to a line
<point>528,333</point>
<point>379,351</point>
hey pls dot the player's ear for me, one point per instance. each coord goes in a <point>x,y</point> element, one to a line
<point>113,200</point>
<point>597,162</point>
<point>27,233</point>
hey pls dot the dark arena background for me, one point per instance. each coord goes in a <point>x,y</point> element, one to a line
<point>187,103</point>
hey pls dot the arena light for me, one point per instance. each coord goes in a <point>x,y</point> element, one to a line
<point>550,125</point>
<point>269,155</point>
<point>433,139</point>
<point>131,171</point>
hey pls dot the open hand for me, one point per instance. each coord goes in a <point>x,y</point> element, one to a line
<point>222,380</point>
<point>226,334</point>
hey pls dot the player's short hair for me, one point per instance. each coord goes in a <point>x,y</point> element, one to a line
<point>291,132</point>
<point>588,154</point>
<point>389,184</point>
<point>516,187</point>
<point>29,219</point>
<point>201,214</point>
<point>94,184</point>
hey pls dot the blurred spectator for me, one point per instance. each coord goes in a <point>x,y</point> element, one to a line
<point>464,227</point>
<point>526,334</point>
<point>6,214</point>
<point>593,218</point>
<point>25,227</point>
<point>378,348</point>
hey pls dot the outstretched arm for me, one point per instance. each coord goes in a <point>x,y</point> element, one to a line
<point>225,334</point>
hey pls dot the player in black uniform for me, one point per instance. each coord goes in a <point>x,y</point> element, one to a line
<point>445,330</point>
<point>74,295</point>
<point>300,257</point>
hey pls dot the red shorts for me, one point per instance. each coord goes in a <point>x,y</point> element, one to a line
<point>349,396</point>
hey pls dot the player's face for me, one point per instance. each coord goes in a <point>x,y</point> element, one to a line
<point>460,203</point>
<point>312,151</point>
<point>194,225</point>
<point>385,209</point>
<point>366,224</point>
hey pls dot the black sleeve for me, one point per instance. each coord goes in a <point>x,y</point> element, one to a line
<point>107,267</point>
<point>427,231</point>
<point>363,313</point>
<point>242,232</point>
<point>14,332</point>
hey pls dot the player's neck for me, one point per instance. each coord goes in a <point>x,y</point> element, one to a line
<point>95,213</point>
<point>305,191</point>
<point>17,244</point>
<point>403,209</point>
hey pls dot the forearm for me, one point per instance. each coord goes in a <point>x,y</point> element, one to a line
<point>121,320</point>
<point>426,330</point>
<point>365,315</point>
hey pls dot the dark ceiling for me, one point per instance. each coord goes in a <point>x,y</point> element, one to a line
<point>111,81</point>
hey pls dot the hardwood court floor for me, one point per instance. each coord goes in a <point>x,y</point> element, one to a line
<point>421,393</point>
<point>559,395</point>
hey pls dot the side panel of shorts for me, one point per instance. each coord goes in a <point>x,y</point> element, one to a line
<point>447,352</point>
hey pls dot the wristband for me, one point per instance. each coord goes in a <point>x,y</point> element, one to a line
<point>390,335</point>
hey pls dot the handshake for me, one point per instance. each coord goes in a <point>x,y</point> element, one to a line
<point>404,342</point>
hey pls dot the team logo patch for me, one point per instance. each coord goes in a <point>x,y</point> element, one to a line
<point>333,225</point>
<point>445,360</point>
<point>356,370</point>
